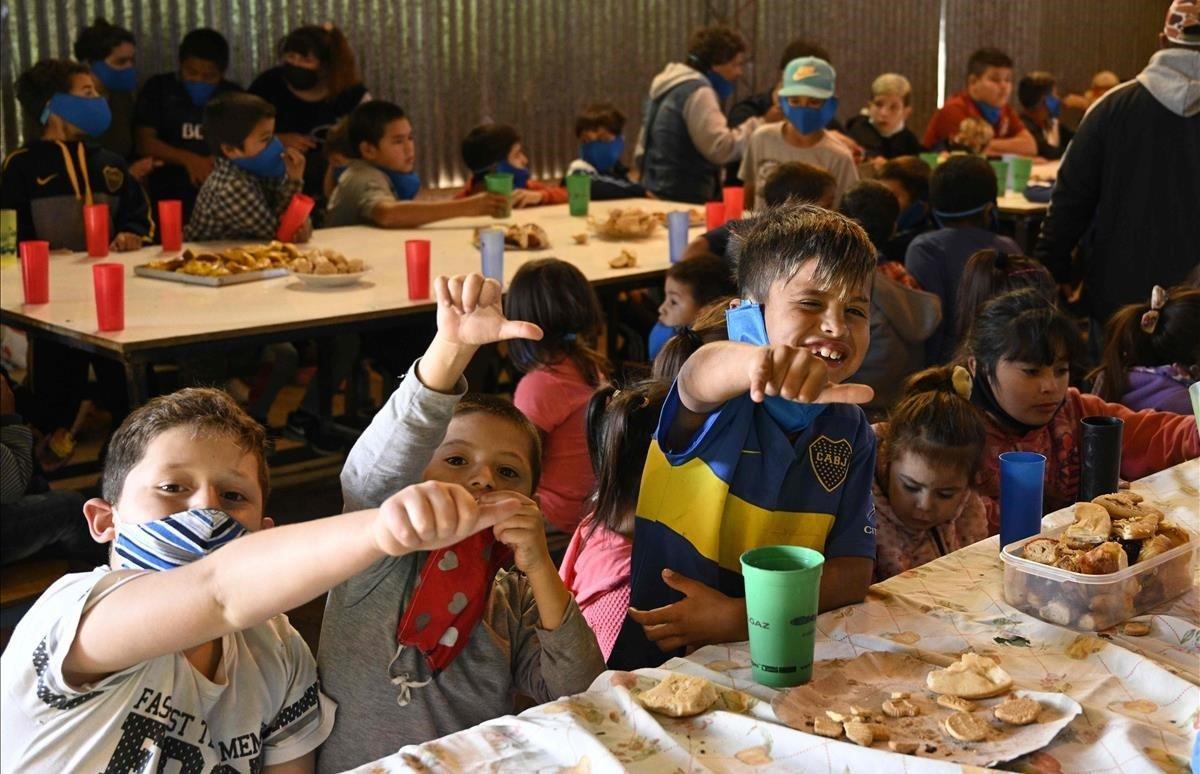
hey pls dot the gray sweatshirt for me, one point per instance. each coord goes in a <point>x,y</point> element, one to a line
<point>358,660</point>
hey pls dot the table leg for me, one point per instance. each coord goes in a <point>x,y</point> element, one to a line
<point>137,382</point>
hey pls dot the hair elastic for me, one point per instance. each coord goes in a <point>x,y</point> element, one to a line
<point>961,379</point>
<point>1158,299</point>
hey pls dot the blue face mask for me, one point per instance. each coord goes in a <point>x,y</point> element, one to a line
<point>602,154</point>
<point>720,84</point>
<point>268,162</point>
<point>745,323</point>
<point>404,184</point>
<point>993,221</point>
<point>113,79</point>
<point>200,92</point>
<point>174,541</point>
<point>1053,105</point>
<point>807,120</point>
<point>990,113</point>
<point>911,217</point>
<point>520,176</point>
<point>91,115</point>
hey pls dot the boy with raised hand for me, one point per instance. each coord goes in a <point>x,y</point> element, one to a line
<point>175,655</point>
<point>412,661</point>
<point>759,442</point>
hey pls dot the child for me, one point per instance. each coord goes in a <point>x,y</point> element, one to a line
<point>992,273</point>
<point>598,129</point>
<point>690,286</point>
<point>1040,108</point>
<point>908,178</point>
<point>1019,351</point>
<point>254,177</point>
<point>903,316</point>
<point>169,117</point>
<point>338,155</point>
<point>497,148</point>
<point>49,180</point>
<point>1152,354</point>
<point>530,636</point>
<point>1102,81</point>
<point>175,656</point>
<point>733,471</point>
<point>109,51</point>
<point>882,132</point>
<point>561,370</point>
<point>808,102</point>
<point>963,195</point>
<point>928,457</point>
<point>379,185</point>
<point>989,85</point>
<point>595,568</point>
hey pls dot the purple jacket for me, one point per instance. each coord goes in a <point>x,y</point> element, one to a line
<point>1164,388</point>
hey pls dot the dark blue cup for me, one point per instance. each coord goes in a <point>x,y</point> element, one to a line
<point>1021,477</point>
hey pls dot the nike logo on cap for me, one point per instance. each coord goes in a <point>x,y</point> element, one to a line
<point>46,179</point>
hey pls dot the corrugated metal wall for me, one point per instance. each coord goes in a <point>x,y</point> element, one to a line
<point>534,63</point>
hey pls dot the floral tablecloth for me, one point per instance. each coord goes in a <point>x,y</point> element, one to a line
<point>1140,695</point>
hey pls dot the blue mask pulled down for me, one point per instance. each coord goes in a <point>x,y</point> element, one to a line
<point>807,120</point>
<point>602,154</point>
<point>520,176</point>
<point>404,184</point>
<point>199,92</point>
<point>173,541</point>
<point>113,79</point>
<point>745,323</point>
<point>990,113</point>
<point>721,85</point>
<point>1053,105</point>
<point>911,217</point>
<point>268,162</point>
<point>91,115</point>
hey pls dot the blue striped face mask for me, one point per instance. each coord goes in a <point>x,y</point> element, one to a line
<point>174,540</point>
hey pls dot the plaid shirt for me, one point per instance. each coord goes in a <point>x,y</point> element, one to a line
<point>234,204</point>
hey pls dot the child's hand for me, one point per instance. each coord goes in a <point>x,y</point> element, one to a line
<point>293,163</point>
<point>469,313</point>
<point>493,204</point>
<point>304,233</point>
<point>524,531</point>
<point>141,169</point>
<point>523,197</point>
<point>301,142</point>
<point>796,374</point>
<point>433,515</point>
<point>125,242</point>
<point>703,617</point>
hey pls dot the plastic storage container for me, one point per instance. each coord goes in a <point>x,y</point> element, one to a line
<point>1096,602</point>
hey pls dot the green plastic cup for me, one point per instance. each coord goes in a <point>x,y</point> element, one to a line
<point>1019,167</point>
<point>1001,170</point>
<point>1194,393</point>
<point>501,183</point>
<point>931,159</point>
<point>783,586</point>
<point>579,193</point>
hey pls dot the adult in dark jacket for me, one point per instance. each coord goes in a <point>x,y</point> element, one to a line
<point>1128,186</point>
<point>685,137</point>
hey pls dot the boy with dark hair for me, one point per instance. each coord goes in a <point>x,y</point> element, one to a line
<point>1040,108</point>
<point>907,177</point>
<point>413,661</point>
<point>963,197</point>
<point>690,286</point>
<point>254,177</point>
<point>169,117</point>
<point>989,85</point>
<point>759,441</point>
<point>109,51</point>
<point>882,131</point>
<point>379,185</point>
<point>902,315</point>
<point>492,148</point>
<point>49,179</point>
<point>601,142</point>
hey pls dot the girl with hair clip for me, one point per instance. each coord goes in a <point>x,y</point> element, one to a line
<point>1019,351</point>
<point>991,273</point>
<point>560,373</point>
<point>620,424</point>
<point>926,466</point>
<point>1152,354</point>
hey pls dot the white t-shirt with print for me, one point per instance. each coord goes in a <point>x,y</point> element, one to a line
<point>264,706</point>
<point>768,149</point>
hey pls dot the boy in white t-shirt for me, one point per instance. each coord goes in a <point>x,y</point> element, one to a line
<point>175,657</point>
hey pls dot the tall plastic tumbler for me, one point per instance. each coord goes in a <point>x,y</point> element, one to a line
<point>1099,456</point>
<point>714,215</point>
<point>170,224</point>
<point>579,193</point>
<point>35,271</point>
<point>416,259</point>
<point>783,586</point>
<point>95,229</point>
<point>735,201</point>
<point>1021,477</point>
<point>677,234</point>
<point>491,250</point>
<point>1001,170</point>
<point>501,183</point>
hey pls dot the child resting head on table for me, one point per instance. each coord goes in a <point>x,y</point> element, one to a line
<point>497,148</point>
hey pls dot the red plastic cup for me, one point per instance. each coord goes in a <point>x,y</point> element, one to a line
<point>170,224</point>
<point>416,254</point>
<point>95,228</point>
<point>293,217</point>
<point>714,215</point>
<point>35,271</point>
<point>109,281</point>
<point>735,200</point>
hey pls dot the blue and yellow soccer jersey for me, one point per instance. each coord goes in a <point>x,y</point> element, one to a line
<point>740,484</point>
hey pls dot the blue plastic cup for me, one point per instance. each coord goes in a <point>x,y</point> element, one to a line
<point>491,250</point>
<point>1021,477</point>
<point>677,234</point>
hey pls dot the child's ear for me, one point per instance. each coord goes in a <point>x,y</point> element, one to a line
<point>230,151</point>
<point>971,365</point>
<point>367,151</point>
<point>267,523</point>
<point>99,515</point>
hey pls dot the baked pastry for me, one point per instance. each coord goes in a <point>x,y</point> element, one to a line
<point>956,703</point>
<point>971,677</point>
<point>1042,551</point>
<point>1138,527</point>
<point>1017,711</point>
<point>860,733</point>
<point>1177,534</point>
<point>1159,544</point>
<point>903,747</point>
<point>1126,505</point>
<point>680,696</point>
<point>900,708</point>
<point>1104,559</point>
<point>828,728</point>
<point>966,727</point>
<point>1091,528</point>
<point>626,259</point>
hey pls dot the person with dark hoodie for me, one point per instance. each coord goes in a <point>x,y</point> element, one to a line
<point>1129,180</point>
<point>685,137</point>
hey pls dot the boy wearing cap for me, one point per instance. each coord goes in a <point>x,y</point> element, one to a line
<point>808,102</point>
<point>989,85</point>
